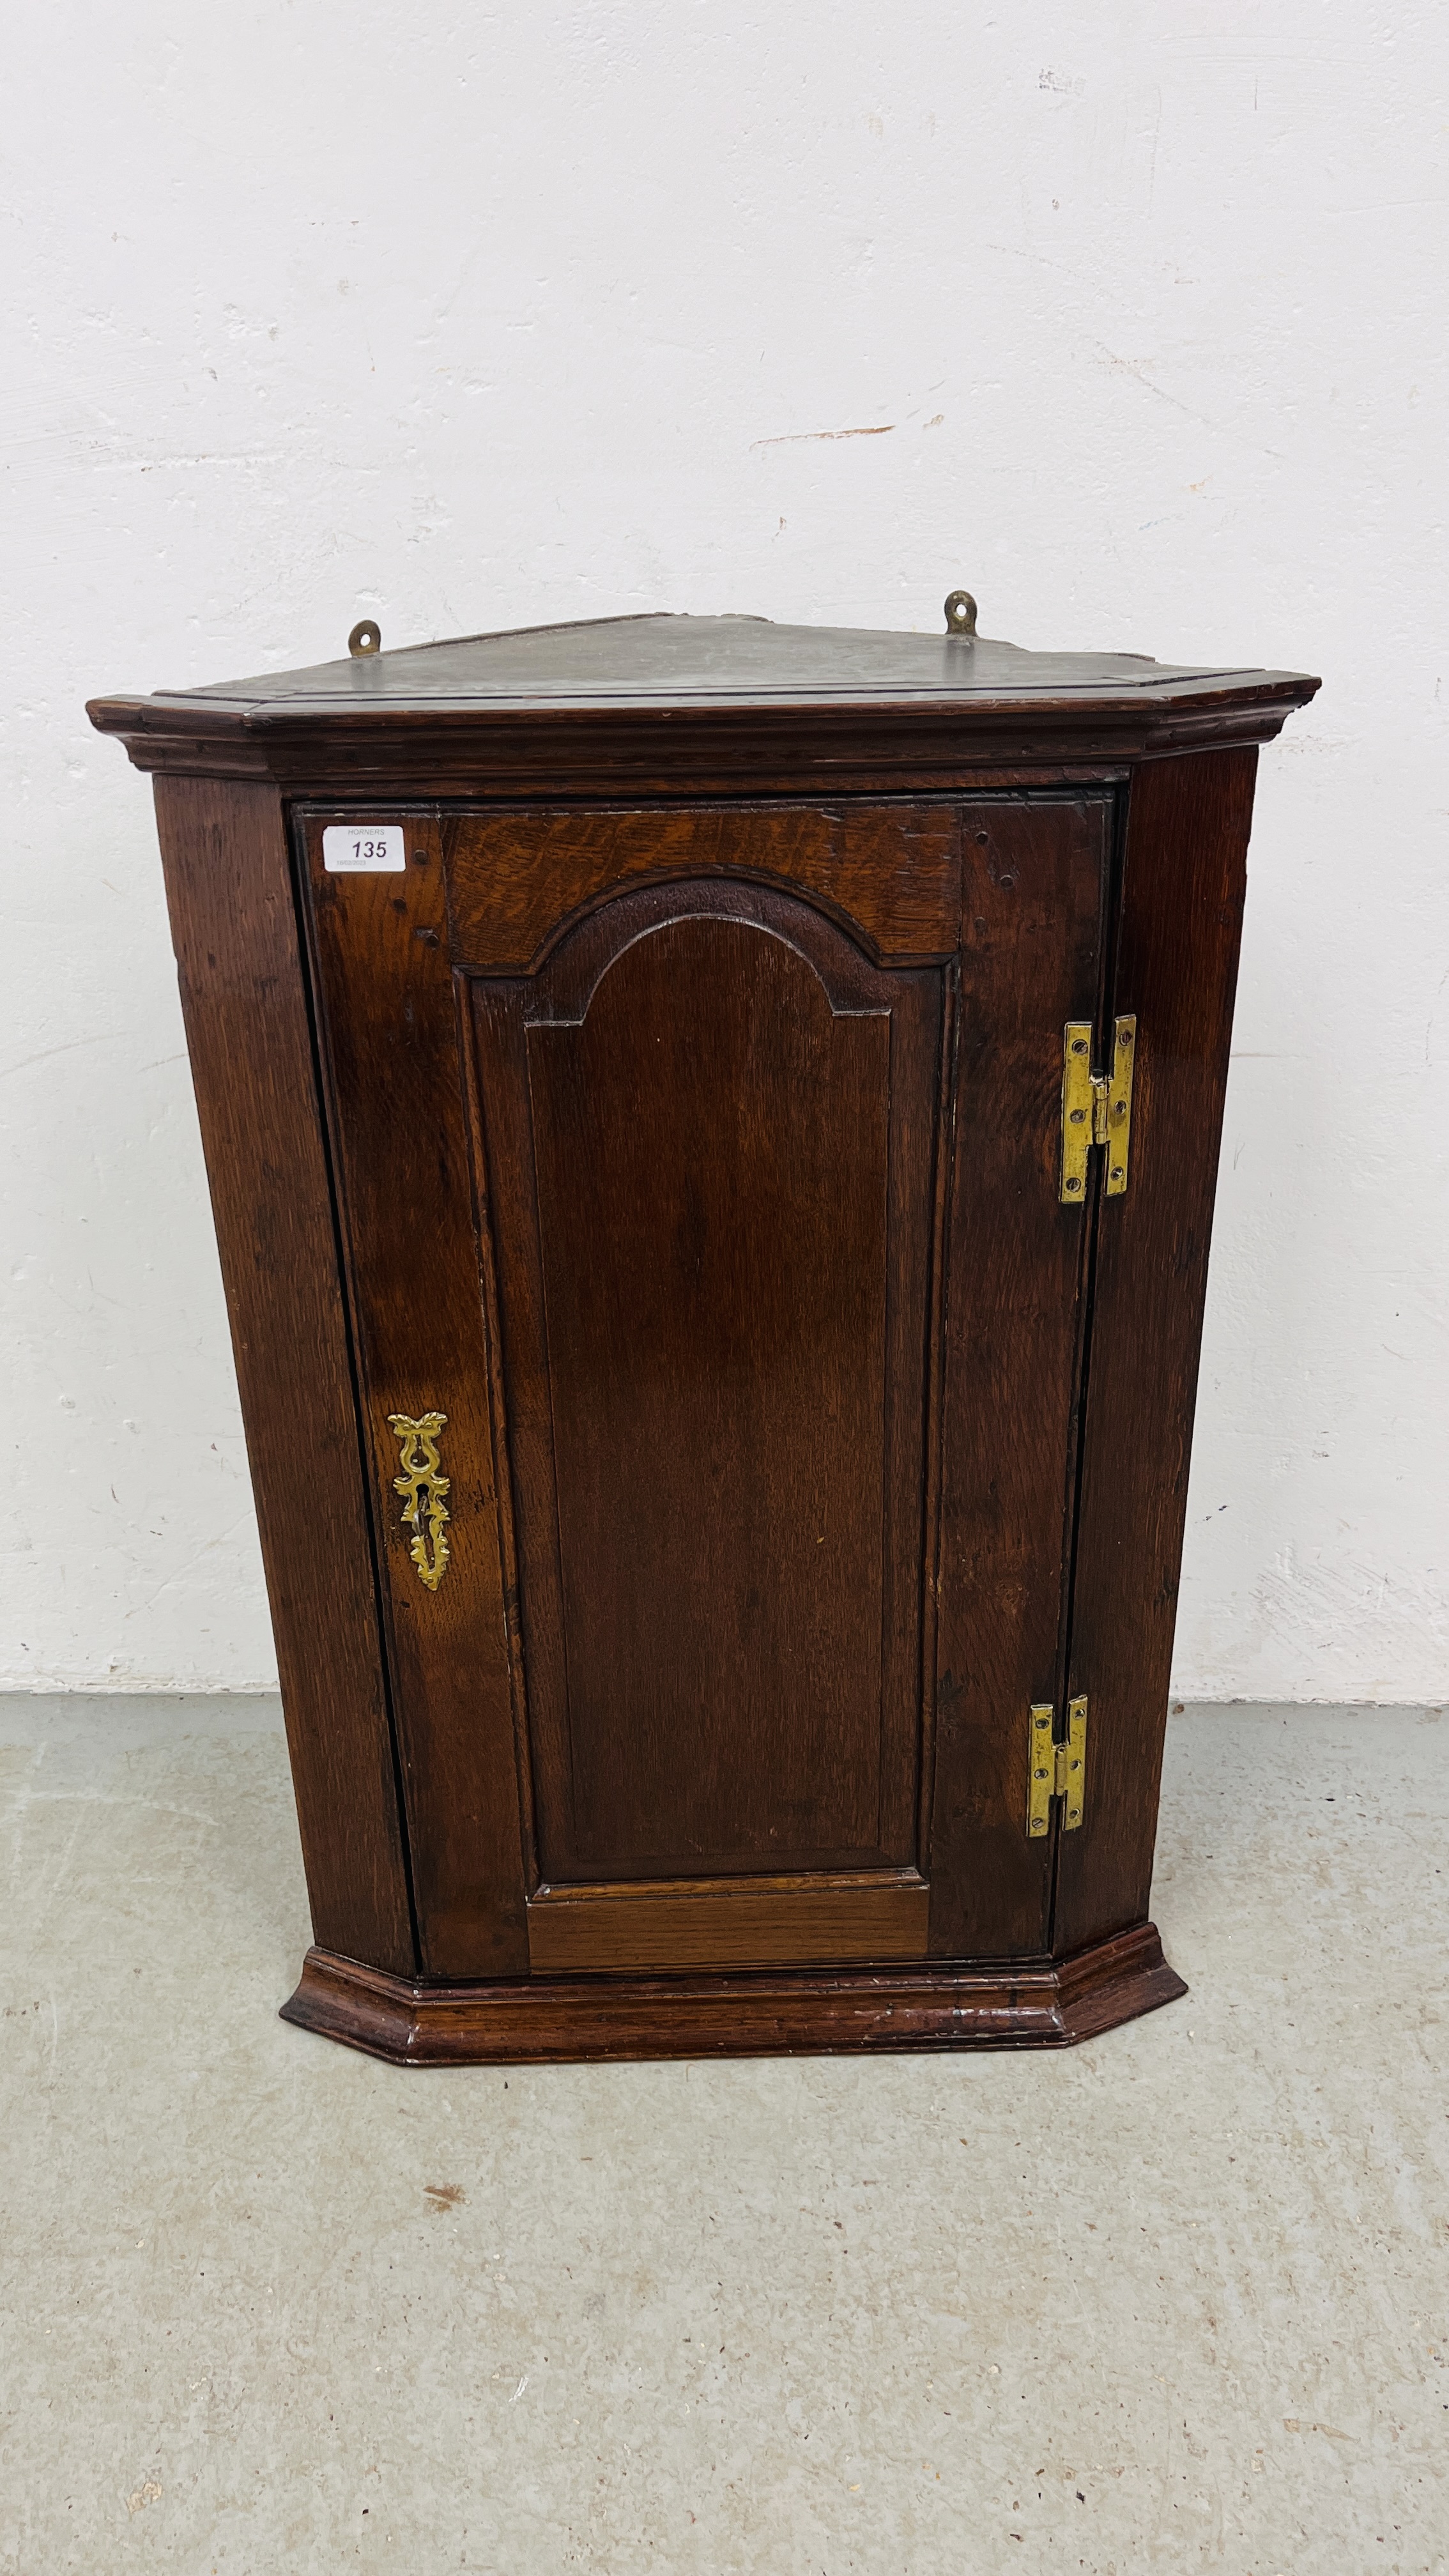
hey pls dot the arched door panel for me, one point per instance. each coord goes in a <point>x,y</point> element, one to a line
<point>710,1128</point>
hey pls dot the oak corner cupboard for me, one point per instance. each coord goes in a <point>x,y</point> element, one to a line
<point>712,1129</point>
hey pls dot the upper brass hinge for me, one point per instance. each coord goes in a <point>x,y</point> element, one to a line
<point>1056,1770</point>
<point>1096,1107</point>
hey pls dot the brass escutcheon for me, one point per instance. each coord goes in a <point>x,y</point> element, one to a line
<point>424,1487</point>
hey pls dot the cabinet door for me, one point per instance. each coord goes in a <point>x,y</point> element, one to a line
<point>698,1167</point>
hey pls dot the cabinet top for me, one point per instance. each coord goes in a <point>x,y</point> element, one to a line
<point>720,669</point>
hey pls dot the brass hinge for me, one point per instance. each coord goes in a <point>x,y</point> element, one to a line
<point>1056,1770</point>
<point>1096,1107</point>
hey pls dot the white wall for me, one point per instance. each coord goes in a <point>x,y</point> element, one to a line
<point>475,317</point>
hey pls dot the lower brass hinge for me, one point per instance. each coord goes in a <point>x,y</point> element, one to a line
<point>1096,1107</point>
<point>1056,1770</point>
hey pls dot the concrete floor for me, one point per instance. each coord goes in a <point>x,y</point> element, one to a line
<point>1177,2299</point>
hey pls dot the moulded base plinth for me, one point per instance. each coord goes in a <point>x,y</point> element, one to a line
<point>765,2012</point>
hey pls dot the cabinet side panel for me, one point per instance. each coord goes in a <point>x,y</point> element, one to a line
<point>234,930</point>
<point>1031,947</point>
<point>1177,965</point>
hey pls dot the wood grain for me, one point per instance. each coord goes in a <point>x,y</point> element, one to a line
<point>244,998</point>
<point>711,1129</point>
<point>1177,963</point>
<point>738,1923</point>
<point>682,1123</point>
<point>773,2014</point>
<point>396,1107</point>
<point>1032,929</point>
<point>891,873</point>
<point>696,707</point>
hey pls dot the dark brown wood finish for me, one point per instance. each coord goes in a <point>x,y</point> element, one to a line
<point>1047,2005</point>
<point>390,1043</point>
<point>696,706</point>
<point>1033,905</point>
<point>889,873</point>
<point>1177,965</point>
<point>243,994</point>
<point>682,1121</point>
<point>714,1337</point>
<point>748,1922</point>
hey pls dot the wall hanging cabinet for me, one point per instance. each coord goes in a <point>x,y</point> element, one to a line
<point>712,1129</point>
